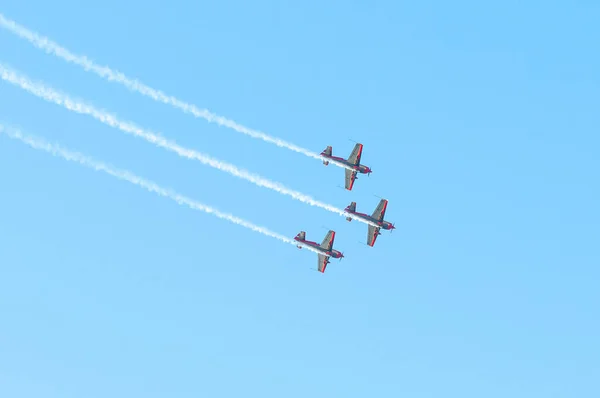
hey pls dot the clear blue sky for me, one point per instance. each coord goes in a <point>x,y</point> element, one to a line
<point>480,122</point>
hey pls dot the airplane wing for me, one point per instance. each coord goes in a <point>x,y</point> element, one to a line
<point>354,158</point>
<point>350,177</point>
<point>328,241</point>
<point>379,212</point>
<point>323,261</point>
<point>372,235</point>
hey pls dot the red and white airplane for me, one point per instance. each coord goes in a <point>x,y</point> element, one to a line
<point>325,249</point>
<point>375,221</point>
<point>352,164</point>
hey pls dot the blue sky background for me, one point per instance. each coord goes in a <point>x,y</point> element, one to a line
<point>479,119</point>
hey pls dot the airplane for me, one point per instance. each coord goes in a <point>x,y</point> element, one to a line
<point>325,249</point>
<point>353,163</point>
<point>375,219</point>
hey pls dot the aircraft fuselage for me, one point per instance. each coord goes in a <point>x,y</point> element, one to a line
<point>360,168</point>
<point>331,253</point>
<point>365,217</point>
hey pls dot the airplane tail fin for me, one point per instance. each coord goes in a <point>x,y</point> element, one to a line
<point>351,209</point>
<point>301,237</point>
<point>327,152</point>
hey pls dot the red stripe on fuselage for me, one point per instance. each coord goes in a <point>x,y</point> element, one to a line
<point>334,158</point>
<point>363,216</point>
<point>308,242</point>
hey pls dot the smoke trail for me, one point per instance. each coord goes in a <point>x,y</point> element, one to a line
<point>76,157</point>
<point>51,95</point>
<point>50,47</point>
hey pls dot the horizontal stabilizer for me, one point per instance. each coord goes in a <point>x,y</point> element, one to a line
<point>352,207</point>
<point>327,152</point>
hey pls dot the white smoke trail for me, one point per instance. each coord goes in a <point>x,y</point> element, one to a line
<point>51,47</point>
<point>49,94</point>
<point>76,157</point>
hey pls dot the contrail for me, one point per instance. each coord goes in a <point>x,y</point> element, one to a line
<point>51,47</point>
<point>57,150</point>
<point>49,94</point>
